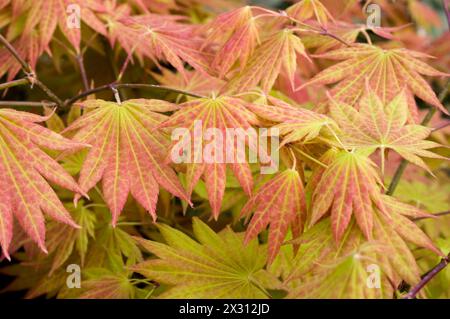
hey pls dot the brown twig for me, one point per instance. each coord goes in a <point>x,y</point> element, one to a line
<point>321,31</point>
<point>47,91</point>
<point>27,103</point>
<point>84,77</point>
<point>31,76</point>
<point>106,87</point>
<point>11,84</point>
<point>25,66</point>
<point>334,36</point>
<point>440,127</point>
<point>427,277</point>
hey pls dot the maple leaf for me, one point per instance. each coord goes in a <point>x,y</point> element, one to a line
<point>46,15</point>
<point>101,283</point>
<point>4,3</point>
<point>398,218</point>
<point>306,9</point>
<point>62,240</point>
<point>280,203</point>
<point>383,126</point>
<point>432,198</point>
<point>330,270</point>
<point>23,166</point>
<point>402,67</point>
<point>126,154</point>
<point>104,284</point>
<point>238,35</point>
<point>346,32</point>
<point>348,186</point>
<point>42,18</point>
<point>193,81</point>
<point>33,276</point>
<point>160,38</point>
<point>423,15</point>
<point>27,47</point>
<point>214,113</point>
<point>297,124</point>
<point>102,259</point>
<point>217,266</point>
<point>277,53</point>
<point>345,278</point>
<point>158,6</point>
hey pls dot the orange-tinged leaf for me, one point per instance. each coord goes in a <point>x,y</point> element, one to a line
<point>424,16</point>
<point>127,152</point>
<point>329,270</point>
<point>280,203</point>
<point>388,71</point>
<point>24,191</point>
<point>46,15</point>
<point>348,186</point>
<point>408,230</point>
<point>216,114</point>
<point>160,38</point>
<point>379,126</point>
<point>297,124</point>
<point>238,35</point>
<point>278,53</point>
<point>192,81</point>
<point>105,284</point>
<point>306,9</point>
<point>28,47</point>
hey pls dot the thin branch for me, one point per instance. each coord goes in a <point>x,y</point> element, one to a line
<point>11,84</point>
<point>106,87</point>
<point>25,66</point>
<point>440,127</point>
<point>31,76</point>
<point>435,215</point>
<point>27,103</point>
<point>84,77</point>
<point>397,176</point>
<point>321,31</point>
<point>47,91</point>
<point>427,277</point>
<point>401,168</point>
<point>334,36</point>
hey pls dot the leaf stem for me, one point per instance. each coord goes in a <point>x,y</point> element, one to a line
<point>106,87</point>
<point>31,76</point>
<point>435,215</point>
<point>310,158</point>
<point>321,31</point>
<point>11,84</point>
<point>25,66</point>
<point>294,160</point>
<point>441,127</point>
<point>427,277</point>
<point>26,103</point>
<point>84,77</point>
